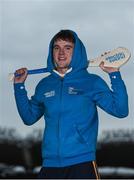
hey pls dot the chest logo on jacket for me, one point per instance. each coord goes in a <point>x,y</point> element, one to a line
<point>49,94</point>
<point>74,91</point>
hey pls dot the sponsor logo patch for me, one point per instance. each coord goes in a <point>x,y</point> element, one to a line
<point>72,90</point>
<point>49,94</point>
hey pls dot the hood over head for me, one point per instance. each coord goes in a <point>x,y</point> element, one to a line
<point>79,58</point>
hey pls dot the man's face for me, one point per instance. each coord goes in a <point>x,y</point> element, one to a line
<point>62,53</point>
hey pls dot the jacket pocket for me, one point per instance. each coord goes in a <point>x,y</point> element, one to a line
<point>82,137</point>
<point>76,143</point>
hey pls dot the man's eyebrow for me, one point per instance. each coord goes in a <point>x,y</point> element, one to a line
<point>55,45</point>
<point>67,45</point>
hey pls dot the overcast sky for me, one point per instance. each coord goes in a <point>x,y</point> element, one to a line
<point>27,27</point>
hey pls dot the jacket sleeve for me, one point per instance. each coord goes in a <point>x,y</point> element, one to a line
<point>115,100</point>
<point>30,110</point>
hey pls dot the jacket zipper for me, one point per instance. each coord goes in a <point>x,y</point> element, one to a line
<point>61,89</point>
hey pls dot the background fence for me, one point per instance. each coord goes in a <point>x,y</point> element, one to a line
<point>21,157</point>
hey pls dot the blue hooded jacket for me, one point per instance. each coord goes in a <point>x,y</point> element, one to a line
<point>69,106</point>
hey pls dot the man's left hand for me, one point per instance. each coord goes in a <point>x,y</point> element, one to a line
<point>108,69</point>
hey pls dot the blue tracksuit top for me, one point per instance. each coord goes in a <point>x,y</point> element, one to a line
<point>69,106</point>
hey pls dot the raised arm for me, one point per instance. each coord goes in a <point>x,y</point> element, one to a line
<point>114,101</point>
<point>30,110</point>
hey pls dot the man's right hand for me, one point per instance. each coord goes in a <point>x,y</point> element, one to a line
<point>22,77</point>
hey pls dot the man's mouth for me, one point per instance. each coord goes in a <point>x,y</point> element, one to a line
<point>61,59</point>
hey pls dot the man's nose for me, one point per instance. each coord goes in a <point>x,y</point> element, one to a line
<point>61,52</point>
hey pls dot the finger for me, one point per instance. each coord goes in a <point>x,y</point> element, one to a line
<point>20,75</point>
<point>101,64</point>
<point>21,71</point>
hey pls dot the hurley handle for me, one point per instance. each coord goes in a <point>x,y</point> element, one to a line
<point>33,71</point>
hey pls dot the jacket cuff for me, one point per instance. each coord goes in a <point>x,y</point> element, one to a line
<point>115,76</point>
<point>19,88</point>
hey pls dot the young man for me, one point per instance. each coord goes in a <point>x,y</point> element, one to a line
<point>68,99</point>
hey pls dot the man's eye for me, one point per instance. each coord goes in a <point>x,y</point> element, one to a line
<point>68,48</point>
<point>56,48</point>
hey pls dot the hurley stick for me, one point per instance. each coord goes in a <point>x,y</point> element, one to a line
<point>115,58</point>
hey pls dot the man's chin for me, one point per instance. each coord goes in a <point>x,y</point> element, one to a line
<point>63,67</point>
